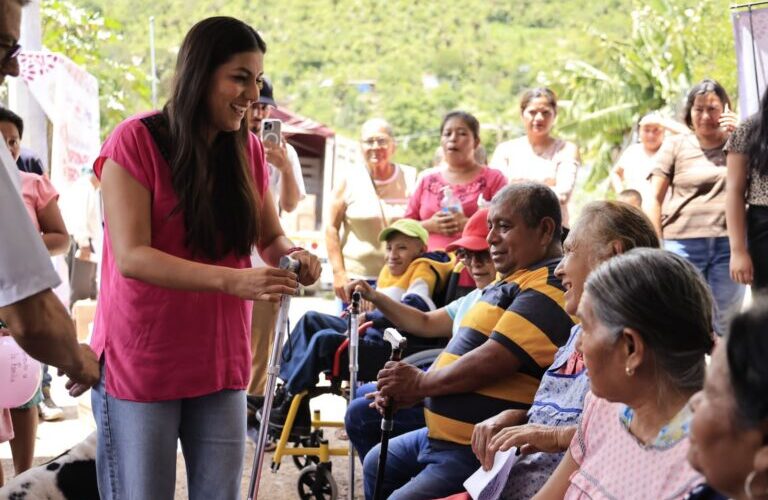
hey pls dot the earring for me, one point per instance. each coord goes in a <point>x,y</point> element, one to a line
<point>749,487</point>
<point>629,371</point>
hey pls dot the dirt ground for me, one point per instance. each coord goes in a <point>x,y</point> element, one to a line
<point>55,437</point>
<point>282,485</point>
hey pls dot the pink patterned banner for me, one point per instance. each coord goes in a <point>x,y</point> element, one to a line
<point>69,96</point>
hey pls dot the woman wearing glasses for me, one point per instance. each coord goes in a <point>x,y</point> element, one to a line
<point>367,200</point>
<point>185,199</point>
<point>448,195</point>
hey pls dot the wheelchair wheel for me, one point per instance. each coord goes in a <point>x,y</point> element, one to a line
<point>423,359</point>
<point>303,461</point>
<point>317,483</point>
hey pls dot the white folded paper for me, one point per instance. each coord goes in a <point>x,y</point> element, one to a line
<point>488,485</point>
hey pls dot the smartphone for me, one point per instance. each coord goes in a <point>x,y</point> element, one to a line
<point>271,131</point>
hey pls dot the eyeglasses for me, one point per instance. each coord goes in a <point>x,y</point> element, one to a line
<point>468,255</point>
<point>376,142</point>
<point>11,53</point>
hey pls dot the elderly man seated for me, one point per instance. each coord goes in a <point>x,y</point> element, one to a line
<point>494,362</point>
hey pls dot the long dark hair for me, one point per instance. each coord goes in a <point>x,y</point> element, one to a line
<point>747,348</point>
<point>758,147</point>
<point>214,183</point>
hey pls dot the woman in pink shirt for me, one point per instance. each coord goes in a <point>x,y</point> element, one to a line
<point>646,327</point>
<point>40,200</point>
<point>185,199</point>
<point>458,174</point>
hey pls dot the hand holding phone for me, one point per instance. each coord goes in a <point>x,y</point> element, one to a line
<point>271,131</point>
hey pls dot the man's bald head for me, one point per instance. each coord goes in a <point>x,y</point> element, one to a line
<point>10,32</point>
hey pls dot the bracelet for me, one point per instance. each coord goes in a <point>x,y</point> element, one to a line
<point>294,249</point>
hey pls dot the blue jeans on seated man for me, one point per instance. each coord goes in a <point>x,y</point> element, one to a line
<point>310,349</point>
<point>420,468</point>
<point>136,446</point>
<point>712,257</point>
<point>363,423</point>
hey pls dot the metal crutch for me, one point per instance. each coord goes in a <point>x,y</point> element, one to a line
<point>398,343</point>
<point>354,339</point>
<point>281,330</point>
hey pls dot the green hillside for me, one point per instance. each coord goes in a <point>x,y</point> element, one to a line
<point>342,61</point>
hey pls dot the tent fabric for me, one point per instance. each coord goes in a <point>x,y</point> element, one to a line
<point>294,123</point>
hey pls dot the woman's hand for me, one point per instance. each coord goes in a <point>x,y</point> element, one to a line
<point>487,429</point>
<point>533,438</point>
<point>309,266</point>
<point>340,281</point>
<point>741,267</point>
<point>446,223</point>
<point>260,283</point>
<point>728,120</point>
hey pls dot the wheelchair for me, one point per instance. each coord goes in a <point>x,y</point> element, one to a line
<point>311,453</point>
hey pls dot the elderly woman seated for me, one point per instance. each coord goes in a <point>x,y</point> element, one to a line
<point>604,229</point>
<point>647,325</point>
<point>729,432</point>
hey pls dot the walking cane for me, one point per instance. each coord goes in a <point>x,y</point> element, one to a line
<point>281,330</point>
<point>398,343</point>
<point>354,338</point>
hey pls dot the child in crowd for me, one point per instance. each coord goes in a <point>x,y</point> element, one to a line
<point>40,199</point>
<point>6,433</point>
<point>632,197</point>
<point>411,276</point>
<point>363,423</point>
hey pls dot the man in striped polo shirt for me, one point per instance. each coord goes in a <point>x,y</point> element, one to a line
<point>493,363</point>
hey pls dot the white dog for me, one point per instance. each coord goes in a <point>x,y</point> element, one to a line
<point>70,476</point>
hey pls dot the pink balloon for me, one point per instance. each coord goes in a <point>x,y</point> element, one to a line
<point>19,374</point>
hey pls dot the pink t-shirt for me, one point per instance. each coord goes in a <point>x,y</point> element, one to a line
<point>426,199</point>
<point>37,192</point>
<point>159,343</point>
<point>614,464</point>
<point>6,426</point>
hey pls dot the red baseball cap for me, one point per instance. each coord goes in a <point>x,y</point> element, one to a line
<point>474,234</point>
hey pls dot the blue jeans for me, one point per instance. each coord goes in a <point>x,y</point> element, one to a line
<point>420,468</point>
<point>363,423</point>
<point>712,257</point>
<point>309,350</point>
<point>47,379</point>
<point>136,450</point>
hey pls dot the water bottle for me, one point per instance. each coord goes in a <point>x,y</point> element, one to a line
<point>450,202</point>
<point>482,202</point>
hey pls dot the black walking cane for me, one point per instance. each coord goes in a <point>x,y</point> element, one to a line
<point>281,330</point>
<point>398,343</point>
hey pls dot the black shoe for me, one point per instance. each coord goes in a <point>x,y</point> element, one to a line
<point>254,402</point>
<point>302,423</point>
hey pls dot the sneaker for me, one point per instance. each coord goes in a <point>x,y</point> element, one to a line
<point>253,435</point>
<point>302,423</point>
<point>48,410</point>
<point>254,402</point>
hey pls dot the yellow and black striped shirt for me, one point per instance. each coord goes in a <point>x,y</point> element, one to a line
<point>524,312</point>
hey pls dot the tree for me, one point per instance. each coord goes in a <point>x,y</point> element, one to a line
<point>669,46</point>
<point>85,35</point>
